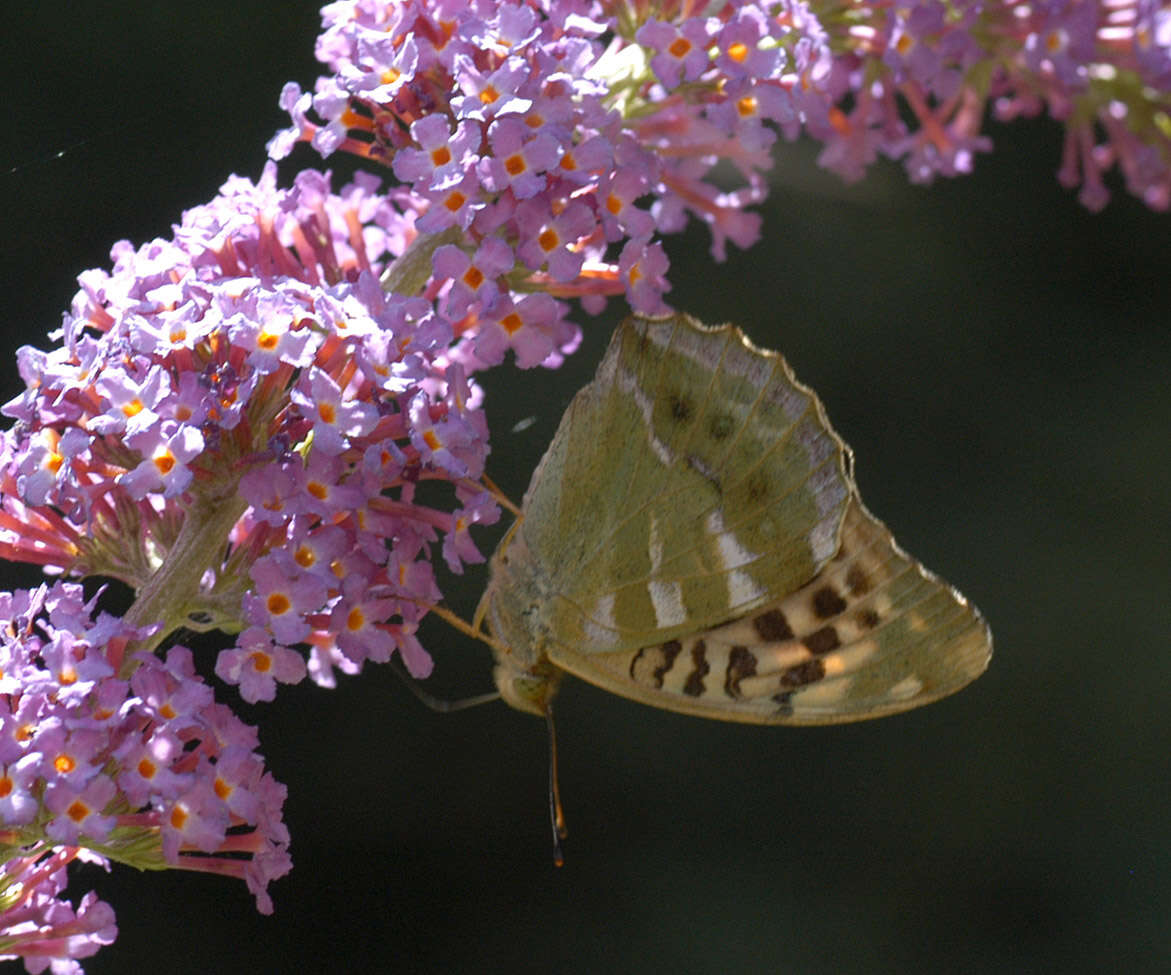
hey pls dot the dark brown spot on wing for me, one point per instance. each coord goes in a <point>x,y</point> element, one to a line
<point>784,702</point>
<point>827,603</point>
<point>681,408</point>
<point>803,673</point>
<point>720,426</point>
<point>822,641</point>
<point>659,659</point>
<point>856,580</point>
<point>741,664</point>
<point>772,625</point>
<point>694,686</point>
<point>756,488</point>
<point>670,651</point>
<point>868,619</point>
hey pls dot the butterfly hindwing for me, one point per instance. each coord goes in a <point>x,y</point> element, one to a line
<point>873,633</point>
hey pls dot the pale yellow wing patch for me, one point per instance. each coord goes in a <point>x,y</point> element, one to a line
<point>872,634</point>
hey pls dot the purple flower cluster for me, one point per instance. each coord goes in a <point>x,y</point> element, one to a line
<point>42,929</point>
<point>533,122</point>
<point>254,367</point>
<point>148,771</point>
<point>234,422</point>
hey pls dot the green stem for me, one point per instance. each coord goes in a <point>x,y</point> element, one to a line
<point>174,588</point>
<point>412,268</point>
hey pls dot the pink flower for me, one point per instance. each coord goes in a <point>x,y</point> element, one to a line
<point>256,664</point>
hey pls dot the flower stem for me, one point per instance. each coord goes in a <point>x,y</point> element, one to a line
<point>175,586</point>
<point>412,268</point>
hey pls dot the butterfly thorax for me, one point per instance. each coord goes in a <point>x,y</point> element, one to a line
<point>524,676</point>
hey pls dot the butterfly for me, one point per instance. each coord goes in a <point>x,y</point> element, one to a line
<point>693,539</point>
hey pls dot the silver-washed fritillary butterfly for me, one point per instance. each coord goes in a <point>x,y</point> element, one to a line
<point>693,539</point>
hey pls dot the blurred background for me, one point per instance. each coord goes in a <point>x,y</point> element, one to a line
<point>998,358</point>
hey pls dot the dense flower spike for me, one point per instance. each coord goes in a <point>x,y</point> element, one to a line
<point>235,423</point>
<point>253,367</point>
<point>500,115</point>
<point>148,771</point>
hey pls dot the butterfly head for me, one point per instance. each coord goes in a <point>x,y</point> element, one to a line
<point>528,688</point>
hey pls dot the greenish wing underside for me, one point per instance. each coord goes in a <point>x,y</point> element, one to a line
<point>874,633</point>
<point>693,481</point>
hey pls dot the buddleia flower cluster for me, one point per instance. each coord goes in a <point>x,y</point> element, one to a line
<point>147,769</point>
<point>268,424</point>
<point>504,116</point>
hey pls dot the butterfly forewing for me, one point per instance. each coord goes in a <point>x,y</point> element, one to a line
<point>693,480</point>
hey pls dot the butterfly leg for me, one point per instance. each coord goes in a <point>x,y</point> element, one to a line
<point>500,496</point>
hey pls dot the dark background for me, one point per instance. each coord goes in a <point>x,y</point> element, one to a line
<point>999,360</point>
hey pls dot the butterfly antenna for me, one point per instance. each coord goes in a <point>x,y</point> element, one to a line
<point>556,814</point>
